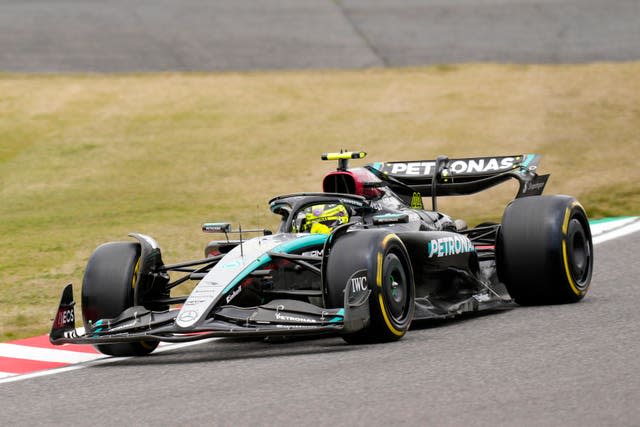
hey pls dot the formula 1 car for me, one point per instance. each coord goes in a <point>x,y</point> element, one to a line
<point>362,259</point>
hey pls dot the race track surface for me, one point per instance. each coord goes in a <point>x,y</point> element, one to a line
<point>204,35</point>
<point>551,365</point>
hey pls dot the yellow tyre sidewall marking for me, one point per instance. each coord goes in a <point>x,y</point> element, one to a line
<point>379,271</point>
<point>386,318</point>
<point>134,279</point>
<point>383,309</point>
<point>565,259</point>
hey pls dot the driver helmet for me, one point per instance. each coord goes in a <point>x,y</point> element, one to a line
<point>321,219</point>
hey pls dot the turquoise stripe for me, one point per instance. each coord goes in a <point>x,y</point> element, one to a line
<point>528,160</point>
<point>287,247</point>
<point>301,242</point>
<point>339,317</point>
<point>262,260</point>
<point>377,165</point>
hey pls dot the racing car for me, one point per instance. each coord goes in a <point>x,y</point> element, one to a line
<point>362,259</point>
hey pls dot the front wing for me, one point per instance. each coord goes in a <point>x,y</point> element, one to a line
<point>279,317</point>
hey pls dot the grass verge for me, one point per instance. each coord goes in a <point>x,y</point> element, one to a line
<point>87,159</point>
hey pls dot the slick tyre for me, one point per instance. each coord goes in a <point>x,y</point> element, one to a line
<point>107,290</point>
<point>381,257</point>
<point>544,250</point>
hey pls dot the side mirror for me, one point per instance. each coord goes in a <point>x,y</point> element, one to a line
<point>390,219</point>
<point>216,227</point>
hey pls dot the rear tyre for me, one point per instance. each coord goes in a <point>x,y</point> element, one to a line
<point>544,250</point>
<point>383,260</point>
<point>107,290</point>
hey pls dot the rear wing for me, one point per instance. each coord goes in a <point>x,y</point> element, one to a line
<point>456,177</point>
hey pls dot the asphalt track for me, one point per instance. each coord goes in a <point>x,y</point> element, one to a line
<point>557,365</point>
<point>551,365</point>
<point>205,35</point>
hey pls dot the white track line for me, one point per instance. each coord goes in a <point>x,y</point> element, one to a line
<point>45,354</point>
<point>603,226</point>
<point>101,360</point>
<point>629,226</point>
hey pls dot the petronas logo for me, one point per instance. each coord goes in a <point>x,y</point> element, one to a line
<point>416,201</point>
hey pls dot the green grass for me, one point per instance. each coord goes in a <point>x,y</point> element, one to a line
<point>88,159</point>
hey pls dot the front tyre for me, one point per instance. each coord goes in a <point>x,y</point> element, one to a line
<point>383,260</point>
<point>544,250</point>
<point>107,290</point>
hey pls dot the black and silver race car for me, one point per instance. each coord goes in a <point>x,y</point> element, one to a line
<point>362,259</point>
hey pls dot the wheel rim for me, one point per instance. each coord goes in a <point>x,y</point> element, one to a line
<point>395,288</point>
<point>579,253</point>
